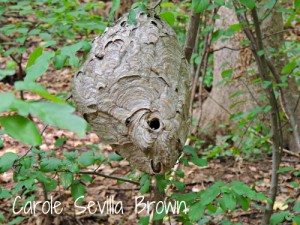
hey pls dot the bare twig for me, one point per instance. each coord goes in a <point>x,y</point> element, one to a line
<point>208,41</point>
<point>270,142</point>
<point>158,196</point>
<point>230,48</point>
<point>198,73</point>
<point>250,92</point>
<point>156,4</point>
<point>191,35</point>
<point>248,46</point>
<point>109,177</point>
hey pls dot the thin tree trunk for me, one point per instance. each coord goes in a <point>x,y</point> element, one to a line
<point>191,35</point>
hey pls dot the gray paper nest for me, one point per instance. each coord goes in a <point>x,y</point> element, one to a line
<point>134,90</point>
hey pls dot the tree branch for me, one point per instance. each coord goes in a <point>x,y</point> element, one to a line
<point>277,137</point>
<point>109,177</point>
<point>191,35</point>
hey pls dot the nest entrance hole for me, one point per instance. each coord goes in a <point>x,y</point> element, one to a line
<point>154,123</point>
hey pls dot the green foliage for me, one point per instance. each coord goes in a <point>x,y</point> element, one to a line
<point>144,220</point>
<point>192,156</point>
<point>7,161</point>
<point>219,198</point>
<point>21,129</point>
<point>86,159</point>
<point>145,183</point>
<point>77,190</point>
<point>114,8</point>
<point>200,5</point>
<point>248,3</point>
<point>60,115</point>
<point>169,17</point>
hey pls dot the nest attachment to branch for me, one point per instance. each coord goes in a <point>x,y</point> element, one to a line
<point>134,90</point>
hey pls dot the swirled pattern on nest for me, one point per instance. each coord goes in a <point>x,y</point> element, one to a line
<point>134,90</point>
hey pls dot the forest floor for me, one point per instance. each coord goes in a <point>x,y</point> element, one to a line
<point>255,173</point>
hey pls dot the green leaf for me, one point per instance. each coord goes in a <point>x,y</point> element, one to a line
<point>285,169</point>
<point>2,218</point>
<point>278,217</point>
<point>199,161</point>
<point>7,99</point>
<point>161,182</point>
<point>26,162</point>
<point>294,184</point>
<point>6,72</point>
<point>21,107</point>
<point>45,36</point>
<point>131,19</point>
<point>297,5</point>
<point>211,208</point>
<point>227,73</point>
<point>179,185</point>
<point>70,155</point>
<point>270,4</point>
<point>86,45</point>
<point>7,160</point>
<point>1,143</point>
<point>115,157</point>
<point>59,61</point>
<point>244,202</point>
<point>297,207</point>
<point>115,6</point>
<point>260,52</point>
<point>189,150</point>
<point>266,84</point>
<point>66,179</point>
<point>211,193</point>
<point>86,178</point>
<point>169,17</point>
<point>248,3</point>
<point>296,220</point>
<point>60,115</point>
<point>60,141</point>
<point>200,5</point>
<point>4,193</point>
<point>86,159</point>
<point>288,68</point>
<point>70,52</point>
<point>196,211</point>
<point>33,56</point>
<point>144,220</point>
<point>296,173</point>
<point>77,190</point>
<point>242,189</point>
<point>50,164</point>
<point>179,173</point>
<point>144,183</point>
<point>38,89</point>
<point>50,184</point>
<point>16,220</point>
<point>228,202</point>
<point>22,129</point>
<point>39,67</point>
<point>159,214</point>
<point>232,29</point>
<point>188,197</point>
